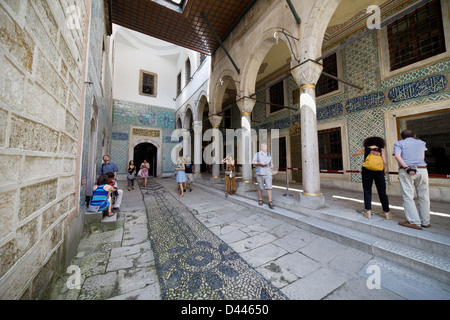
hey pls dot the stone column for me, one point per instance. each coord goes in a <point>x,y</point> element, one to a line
<point>245,145</point>
<point>307,76</point>
<point>186,143</point>
<point>217,143</point>
<point>198,127</point>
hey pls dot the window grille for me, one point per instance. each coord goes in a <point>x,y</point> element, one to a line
<point>417,36</point>
<point>326,84</point>
<point>330,149</point>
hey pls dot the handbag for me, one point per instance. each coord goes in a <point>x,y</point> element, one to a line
<point>374,161</point>
<point>92,208</point>
<point>139,173</point>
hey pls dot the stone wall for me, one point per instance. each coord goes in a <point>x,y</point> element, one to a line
<point>42,50</point>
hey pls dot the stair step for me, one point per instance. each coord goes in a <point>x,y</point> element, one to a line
<point>425,256</point>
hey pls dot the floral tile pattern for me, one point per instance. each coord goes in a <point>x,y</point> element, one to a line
<point>192,262</point>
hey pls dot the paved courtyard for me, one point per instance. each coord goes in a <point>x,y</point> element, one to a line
<point>204,246</point>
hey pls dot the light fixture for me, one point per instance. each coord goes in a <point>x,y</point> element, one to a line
<point>275,36</point>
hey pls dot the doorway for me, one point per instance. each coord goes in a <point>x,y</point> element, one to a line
<point>149,152</point>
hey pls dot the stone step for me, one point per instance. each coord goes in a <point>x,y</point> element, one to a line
<point>365,238</point>
<point>97,217</point>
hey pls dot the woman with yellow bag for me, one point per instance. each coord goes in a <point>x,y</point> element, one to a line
<point>374,168</point>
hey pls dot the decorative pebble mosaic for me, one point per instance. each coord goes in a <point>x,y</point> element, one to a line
<point>192,262</point>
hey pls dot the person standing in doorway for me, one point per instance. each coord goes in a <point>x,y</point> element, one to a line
<point>413,176</point>
<point>374,146</point>
<point>145,167</point>
<point>263,162</point>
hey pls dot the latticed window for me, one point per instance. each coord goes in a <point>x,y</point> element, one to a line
<point>276,93</point>
<point>417,36</point>
<point>147,83</point>
<point>188,71</point>
<point>330,149</point>
<point>326,84</point>
<point>179,84</point>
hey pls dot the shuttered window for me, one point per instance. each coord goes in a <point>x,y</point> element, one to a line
<point>417,36</point>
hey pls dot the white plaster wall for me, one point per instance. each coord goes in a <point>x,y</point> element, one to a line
<point>132,55</point>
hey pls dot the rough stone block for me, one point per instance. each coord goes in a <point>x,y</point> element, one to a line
<point>40,34</point>
<point>9,169</point>
<point>42,105</point>
<point>3,121</point>
<point>39,162</point>
<point>50,215</point>
<point>11,84</point>
<point>27,236</point>
<point>17,42</point>
<point>29,135</point>
<point>67,145</point>
<point>34,197</point>
<point>7,205</point>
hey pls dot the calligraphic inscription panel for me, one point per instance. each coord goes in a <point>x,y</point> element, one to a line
<point>418,89</point>
<point>140,132</point>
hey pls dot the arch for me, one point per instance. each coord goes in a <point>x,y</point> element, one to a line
<point>253,63</point>
<point>225,79</point>
<point>188,118</point>
<point>315,27</point>
<point>179,122</point>
<point>201,104</point>
<point>157,166</point>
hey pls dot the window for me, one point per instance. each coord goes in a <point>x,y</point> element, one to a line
<point>417,36</point>
<point>178,84</point>
<point>330,149</point>
<point>276,96</point>
<point>431,127</point>
<point>188,71</point>
<point>147,83</point>
<point>326,84</point>
<point>282,156</point>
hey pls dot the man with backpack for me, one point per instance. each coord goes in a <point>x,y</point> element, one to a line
<point>413,175</point>
<point>263,162</point>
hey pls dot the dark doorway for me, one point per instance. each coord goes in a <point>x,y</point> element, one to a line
<point>146,151</point>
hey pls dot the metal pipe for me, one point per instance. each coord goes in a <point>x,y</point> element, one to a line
<point>294,12</point>
<point>220,42</point>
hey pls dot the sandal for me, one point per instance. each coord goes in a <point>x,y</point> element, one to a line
<point>271,205</point>
<point>389,215</point>
<point>260,202</point>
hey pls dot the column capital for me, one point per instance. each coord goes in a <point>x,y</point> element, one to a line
<point>215,120</point>
<point>307,74</point>
<point>245,105</point>
<point>198,127</point>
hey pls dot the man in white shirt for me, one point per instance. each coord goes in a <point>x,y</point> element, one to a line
<point>263,162</point>
<point>413,176</point>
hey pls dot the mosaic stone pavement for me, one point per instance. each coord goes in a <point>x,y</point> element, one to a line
<point>192,262</point>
